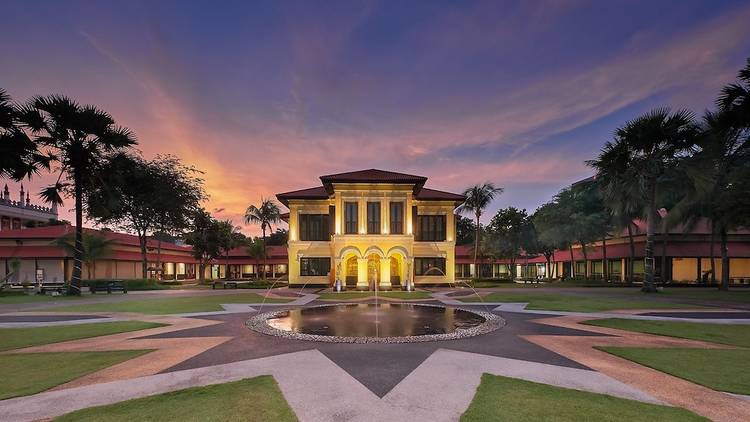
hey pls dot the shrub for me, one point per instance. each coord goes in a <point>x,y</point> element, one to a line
<point>131,284</point>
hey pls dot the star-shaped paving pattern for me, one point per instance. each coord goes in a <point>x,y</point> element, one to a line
<point>379,367</point>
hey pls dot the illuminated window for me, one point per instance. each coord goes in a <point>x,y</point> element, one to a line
<point>429,266</point>
<point>373,217</point>
<point>350,217</point>
<point>315,266</point>
<point>397,217</point>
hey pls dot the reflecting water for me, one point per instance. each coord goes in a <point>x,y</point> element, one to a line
<point>358,320</point>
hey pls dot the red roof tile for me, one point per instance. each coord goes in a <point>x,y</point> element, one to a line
<point>426,194</point>
<point>318,192</point>
<point>373,176</point>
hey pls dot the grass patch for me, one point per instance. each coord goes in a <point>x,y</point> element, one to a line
<point>735,335</point>
<point>9,298</point>
<point>508,399</point>
<point>718,369</point>
<point>173,305</point>
<point>17,338</point>
<point>31,373</point>
<point>364,295</point>
<point>254,399</point>
<point>710,294</point>
<point>557,302</point>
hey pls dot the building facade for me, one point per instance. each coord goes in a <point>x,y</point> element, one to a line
<point>371,227</point>
<point>16,215</point>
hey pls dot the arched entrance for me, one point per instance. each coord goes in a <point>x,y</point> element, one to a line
<point>373,270</point>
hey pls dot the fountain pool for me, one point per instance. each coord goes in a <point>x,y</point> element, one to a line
<point>357,323</point>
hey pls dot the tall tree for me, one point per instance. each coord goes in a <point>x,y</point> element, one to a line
<point>478,197</point>
<point>78,138</point>
<point>510,227</point>
<point>653,143</point>
<point>265,215</point>
<point>205,238</point>
<point>144,197</point>
<point>550,222</point>
<point>95,248</point>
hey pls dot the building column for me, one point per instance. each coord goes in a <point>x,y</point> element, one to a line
<point>623,269</point>
<point>362,274</point>
<point>385,274</point>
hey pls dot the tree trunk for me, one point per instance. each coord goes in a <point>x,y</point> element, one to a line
<point>572,262</point>
<point>585,261</point>
<point>724,259</point>
<point>605,266</point>
<point>202,269</point>
<point>144,257</point>
<point>632,253</point>
<point>648,261</point>
<point>75,282</point>
<point>476,249</point>
<point>663,269</point>
<point>549,266</point>
<point>264,252</point>
<point>711,253</point>
<point>158,258</point>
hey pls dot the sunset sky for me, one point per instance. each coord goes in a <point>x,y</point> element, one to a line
<point>267,96</point>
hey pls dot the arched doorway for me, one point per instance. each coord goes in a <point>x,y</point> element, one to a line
<point>373,270</point>
<point>396,270</point>
<point>350,271</point>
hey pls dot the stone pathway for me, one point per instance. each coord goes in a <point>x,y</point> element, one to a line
<point>318,390</point>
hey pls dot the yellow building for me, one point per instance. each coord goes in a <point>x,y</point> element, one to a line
<point>371,227</point>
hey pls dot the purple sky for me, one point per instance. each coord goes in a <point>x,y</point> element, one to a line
<point>265,97</point>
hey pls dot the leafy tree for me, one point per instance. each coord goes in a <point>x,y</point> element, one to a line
<point>205,238</point>
<point>229,237</point>
<point>650,146</point>
<point>278,238</point>
<point>465,229</point>
<point>95,248</point>
<point>550,225</point>
<point>145,197</point>
<point>78,138</point>
<point>478,197</point>
<point>19,154</point>
<point>265,215</point>
<point>508,232</point>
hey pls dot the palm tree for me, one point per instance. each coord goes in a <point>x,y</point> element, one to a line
<point>267,214</point>
<point>95,247</point>
<point>652,143</point>
<point>612,166</point>
<point>79,138</point>
<point>478,197</point>
<point>19,155</point>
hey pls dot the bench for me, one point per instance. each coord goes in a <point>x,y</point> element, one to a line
<point>51,286</point>
<point>109,287</point>
<point>230,283</point>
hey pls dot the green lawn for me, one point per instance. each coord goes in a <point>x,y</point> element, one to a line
<point>9,298</point>
<point>735,335</point>
<point>508,399</point>
<point>363,295</point>
<point>254,399</point>
<point>31,373</point>
<point>16,338</point>
<point>559,302</point>
<point>173,305</point>
<point>718,369</point>
<point>709,294</point>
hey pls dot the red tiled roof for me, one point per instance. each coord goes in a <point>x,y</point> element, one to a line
<point>318,192</point>
<point>372,175</point>
<point>426,194</point>
<point>53,232</point>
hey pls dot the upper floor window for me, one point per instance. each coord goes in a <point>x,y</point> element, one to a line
<point>313,227</point>
<point>397,218</point>
<point>373,218</point>
<point>430,228</point>
<point>350,217</point>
